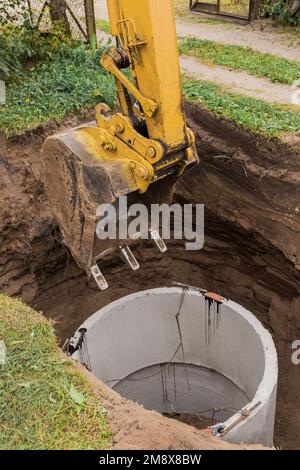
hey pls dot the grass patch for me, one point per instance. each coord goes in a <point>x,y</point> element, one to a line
<point>280,11</point>
<point>276,69</point>
<point>258,116</point>
<point>71,82</point>
<point>45,403</point>
<point>103,25</point>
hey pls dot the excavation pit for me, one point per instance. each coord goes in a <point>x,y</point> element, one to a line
<point>251,251</point>
<point>181,351</point>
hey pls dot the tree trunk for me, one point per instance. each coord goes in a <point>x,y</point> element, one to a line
<point>58,13</point>
<point>295,7</point>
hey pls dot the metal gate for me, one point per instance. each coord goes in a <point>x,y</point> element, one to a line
<point>238,11</point>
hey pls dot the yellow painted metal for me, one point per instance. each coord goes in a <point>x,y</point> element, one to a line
<point>120,126</point>
<point>125,152</point>
<point>147,43</point>
<point>149,106</point>
<point>156,66</point>
<point>113,7</point>
<point>149,138</point>
<point>103,146</point>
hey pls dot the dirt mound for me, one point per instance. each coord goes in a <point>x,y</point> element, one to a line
<point>250,188</point>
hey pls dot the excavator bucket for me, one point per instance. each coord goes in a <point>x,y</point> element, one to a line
<point>77,180</point>
<point>139,151</point>
<point>78,177</point>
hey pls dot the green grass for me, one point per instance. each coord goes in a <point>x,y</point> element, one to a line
<point>45,402</point>
<point>276,69</point>
<point>255,115</point>
<point>103,25</point>
<point>73,81</point>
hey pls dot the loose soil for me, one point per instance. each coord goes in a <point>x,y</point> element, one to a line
<point>198,422</point>
<point>250,188</point>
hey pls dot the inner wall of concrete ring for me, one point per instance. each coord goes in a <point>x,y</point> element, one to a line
<point>140,330</point>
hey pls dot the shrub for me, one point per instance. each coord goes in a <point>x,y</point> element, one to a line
<point>281,11</point>
<point>23,47</point>
<point>70,82</point>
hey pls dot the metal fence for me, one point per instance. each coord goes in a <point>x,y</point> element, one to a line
<point>77,15</point>
<point>240,11</point>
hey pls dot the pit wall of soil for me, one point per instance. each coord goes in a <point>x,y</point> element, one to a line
<point>253,182</point>
<point>250,188</point>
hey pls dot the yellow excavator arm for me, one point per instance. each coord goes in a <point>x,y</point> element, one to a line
<point>147,43</point>
<point>144,142</point>
<point>151,123</point>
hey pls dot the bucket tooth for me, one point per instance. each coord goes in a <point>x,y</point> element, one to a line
<point>158,240</point>
<point>99,278</point>
<point>129,258</point>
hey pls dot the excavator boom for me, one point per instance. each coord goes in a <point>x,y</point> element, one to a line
<point>146,31</point>
<point>142,148</point>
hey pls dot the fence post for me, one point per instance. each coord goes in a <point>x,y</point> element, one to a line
<point>30,12</point>
<point>90,21</point>
<point>254,10</point>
